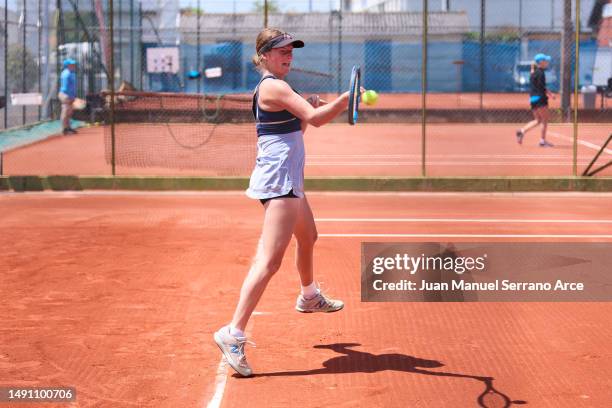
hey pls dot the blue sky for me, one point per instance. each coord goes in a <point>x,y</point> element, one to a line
<point>210,6</point>
<point>227,6</point>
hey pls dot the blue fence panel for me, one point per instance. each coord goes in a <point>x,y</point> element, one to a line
<point>442,75</point>
<point>388,66</point>
<point>405,69</point>
<point>377,69</point>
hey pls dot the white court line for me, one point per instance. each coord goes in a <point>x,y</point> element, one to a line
<point>463,236</point>
<point>466,220</point>
<point>437,194</point>
<point>444,163</point>
<point>580,141</point>
<point>220,381</point>
<point>471,156</point>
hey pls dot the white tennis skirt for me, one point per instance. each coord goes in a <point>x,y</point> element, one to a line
<point>279,167</point>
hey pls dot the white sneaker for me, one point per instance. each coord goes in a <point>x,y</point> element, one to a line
<point>233,350</point>
<point>319,303</point>
<point>546,143</point>
<point>519,136</point>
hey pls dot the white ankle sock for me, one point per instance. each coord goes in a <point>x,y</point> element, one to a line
<point>236,332</point>
<point>310,291</point>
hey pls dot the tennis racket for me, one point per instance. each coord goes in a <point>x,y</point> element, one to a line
<point>354,95</point>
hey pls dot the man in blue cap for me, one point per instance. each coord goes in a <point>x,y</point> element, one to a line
<point>67,93</point>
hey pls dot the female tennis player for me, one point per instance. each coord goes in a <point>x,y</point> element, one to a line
<point>538,98</point>
<point>281,117</point>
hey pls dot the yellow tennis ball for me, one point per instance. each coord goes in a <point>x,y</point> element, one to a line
<point>369,97</point>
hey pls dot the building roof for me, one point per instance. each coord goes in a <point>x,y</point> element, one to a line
<point>317,25</point>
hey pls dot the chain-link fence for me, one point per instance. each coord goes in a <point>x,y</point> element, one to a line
<point>26,64</point>
<point>473,58</point>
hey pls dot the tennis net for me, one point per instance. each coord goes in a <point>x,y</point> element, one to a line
<point>177,133</point>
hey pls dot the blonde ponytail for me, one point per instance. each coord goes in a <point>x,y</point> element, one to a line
<point>263,37</point>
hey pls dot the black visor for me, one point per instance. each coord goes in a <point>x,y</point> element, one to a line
<point>281,41</point>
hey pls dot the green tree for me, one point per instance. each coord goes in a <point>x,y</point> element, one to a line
<point>15,69</point>
<point>73,28</point>
<point>258,6</point>
<point>191,11</point>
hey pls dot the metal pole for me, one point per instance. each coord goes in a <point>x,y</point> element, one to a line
<point>23,60</point>
<point>6,93</point>
<point>140,50</point>
<point>339,51</point>
<point>59,34</point>
<point>424,91</point>
<point>265,13</point>
<point>576,82</point>
<point>566,61</point>
<point>198,50</point>
<point>120,39</point>
<point>482,55</point>
<point>39,24</point>
<point>111,81</point>
<point>77,52</point>
<point>520,19</point>
<point>94,83</point>
<point>330,51</point>
<point>132,59</point>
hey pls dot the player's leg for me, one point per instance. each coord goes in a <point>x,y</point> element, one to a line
<point>545,117</point>
<point>69,113</point>
<point>530,125</point>
<point>310,299</point>
<point>537,119</point>
<point>65,111</point>
<point>305,232</point>
<point>279,222</point>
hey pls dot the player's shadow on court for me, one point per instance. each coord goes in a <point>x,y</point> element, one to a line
<point>353,361</point>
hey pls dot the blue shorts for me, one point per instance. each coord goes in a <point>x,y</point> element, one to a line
<point>538,101</point>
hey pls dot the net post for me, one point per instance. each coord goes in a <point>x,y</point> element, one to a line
<point>424,90</point>
<point>111,80</point>
<point>601,168</point>
<point>576,75</point>
<point>603,147</point>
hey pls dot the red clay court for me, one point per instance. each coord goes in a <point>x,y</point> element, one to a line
<point>118,294</point>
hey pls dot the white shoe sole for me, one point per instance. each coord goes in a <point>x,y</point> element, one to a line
<point>228,358</point>
<point>319,311</point>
